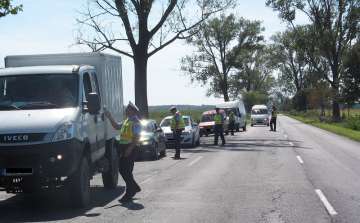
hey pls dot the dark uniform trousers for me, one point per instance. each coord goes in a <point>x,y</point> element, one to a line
<point>177,141</point>
<point>126,167</point>
<point>219,130</point>
<point>273,122</point>
<point>232,127</point>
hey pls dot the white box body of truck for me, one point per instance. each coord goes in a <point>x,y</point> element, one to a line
<point>53,129</point>
<point>238,108</point>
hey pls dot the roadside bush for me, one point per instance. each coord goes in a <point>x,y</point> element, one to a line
<point>353,122</point>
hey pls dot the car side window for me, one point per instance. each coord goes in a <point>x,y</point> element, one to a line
<point>155,127</point>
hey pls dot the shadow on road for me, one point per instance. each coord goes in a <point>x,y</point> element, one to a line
<point>54,205</point>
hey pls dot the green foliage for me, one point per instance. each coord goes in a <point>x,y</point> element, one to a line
<point>6,8</point>
<point>299,101</point>
<point>219,42</point>
<point>335,26</point>
<point>253,98</point>
<point>353,122</point>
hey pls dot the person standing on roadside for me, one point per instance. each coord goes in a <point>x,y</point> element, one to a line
<point>273,119</point>
<point>177,125</point>
<point>232,121</point>
<point>219,122</point>
<point>129,144</point>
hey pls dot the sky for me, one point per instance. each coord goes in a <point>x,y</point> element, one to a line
<point>48,26</point>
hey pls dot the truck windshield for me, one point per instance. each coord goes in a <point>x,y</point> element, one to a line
<point>38,91</point>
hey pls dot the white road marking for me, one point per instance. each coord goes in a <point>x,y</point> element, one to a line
<point>194,161</point>
<point>291,144</point>
<point>300,160</point>
<point>328,206</point>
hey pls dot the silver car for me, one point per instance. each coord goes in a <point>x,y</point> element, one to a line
<point>190,136</point>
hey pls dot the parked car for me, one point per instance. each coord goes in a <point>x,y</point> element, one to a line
<point>152,141</point>
<point>190,136</point>
<point>207,123</point>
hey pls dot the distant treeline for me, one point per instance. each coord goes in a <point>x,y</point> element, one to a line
<point>182,107</point>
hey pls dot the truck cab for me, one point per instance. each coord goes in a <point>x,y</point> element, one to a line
<point>53,129</point>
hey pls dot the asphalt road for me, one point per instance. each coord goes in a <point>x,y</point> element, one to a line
<point>297,174</point>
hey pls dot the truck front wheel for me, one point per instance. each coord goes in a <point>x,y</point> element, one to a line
<point>79,185</point>
<point>110,177</point>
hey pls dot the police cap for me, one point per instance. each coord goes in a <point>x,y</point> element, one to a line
<point>133,106</point>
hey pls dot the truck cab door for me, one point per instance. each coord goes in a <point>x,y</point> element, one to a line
<point>94,122</point>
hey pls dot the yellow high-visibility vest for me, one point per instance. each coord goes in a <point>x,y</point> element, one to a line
<point>126,132</point>
<point>181,122</point>
<point>218,120</point>
<point>231,117</point>
<point>274,114</point>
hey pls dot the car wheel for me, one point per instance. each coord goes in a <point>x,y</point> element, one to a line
<point>163,153</point>
<point>155,155</point>
<point>110,178</point>
<point>79,185</point>
<point>201,133</point>
<point>198,142</point>
<point>244,128</point>
<point>193,142</point>
<point>238,127</point>
<point>252,125</point>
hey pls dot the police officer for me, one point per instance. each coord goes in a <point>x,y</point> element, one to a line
<point>129,143</point>
<point>232,121</point>
<point>177,125</point>
<point>219,121</point>
<point>273,119</point>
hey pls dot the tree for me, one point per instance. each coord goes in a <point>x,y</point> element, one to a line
<point>320,97</point>
<point>218,43</point>
<point>290,58</point>
<point>137,31</point>
<point>255,70</point>
<point>335,25</point>
<point>6,8</point>
<point>350,85</point>
<point>252,98</point>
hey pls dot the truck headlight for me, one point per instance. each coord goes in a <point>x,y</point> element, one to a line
<point>66,131</point>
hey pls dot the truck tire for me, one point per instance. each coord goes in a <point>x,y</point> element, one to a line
<point>79,185</point>
<point>111,177</point>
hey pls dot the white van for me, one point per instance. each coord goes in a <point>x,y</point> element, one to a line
<point>238,108</point>
<point>259,115</point>
<point>51,138</point>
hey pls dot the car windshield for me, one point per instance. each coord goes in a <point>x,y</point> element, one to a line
<point>166,122</point>
<point>207,118</point>
<point>38,91</point>
<point>259,111</point>
<point>146,127</point>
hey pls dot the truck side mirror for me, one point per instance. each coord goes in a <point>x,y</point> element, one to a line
<point>93,104</point>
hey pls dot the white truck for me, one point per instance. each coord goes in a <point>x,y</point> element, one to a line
<point>238,108</point>
<point>53,131</point>
<point>259,115</point>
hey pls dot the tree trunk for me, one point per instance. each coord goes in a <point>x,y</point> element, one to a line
<point>141,101</point>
